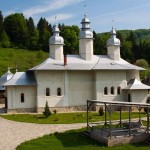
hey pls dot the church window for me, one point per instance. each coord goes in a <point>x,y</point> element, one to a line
<point>105,91</point>
<point>22,98</point>
<point>119,90</point>
<point>112,90</point>
<point>47,92</point>
<point>59,92</point>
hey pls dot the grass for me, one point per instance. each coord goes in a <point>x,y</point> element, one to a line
<point>66,118</point>
<point>73,140</point>
<point>23,59</point>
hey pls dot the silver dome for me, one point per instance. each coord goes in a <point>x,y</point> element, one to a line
<point>86,34</point>
<point>85,31</point>
<point>113,41</point>
<point>85,19</point>
<point>56,38</point>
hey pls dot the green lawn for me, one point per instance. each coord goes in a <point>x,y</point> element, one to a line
<point>65,118</point>
<point>23,59</point>
<point>73,140</point>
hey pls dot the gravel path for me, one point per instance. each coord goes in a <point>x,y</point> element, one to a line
<point>13,133</point>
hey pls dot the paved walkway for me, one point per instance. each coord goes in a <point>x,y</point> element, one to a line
<point>13,133</point>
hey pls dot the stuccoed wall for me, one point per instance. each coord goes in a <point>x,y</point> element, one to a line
<point>14,97</point>
<point>76,88</point>
<point>139,96</point>
<point>113,52</point>
<point>86,48</point>
<point>133,74</point>
<point>51,80</point>
<point>56,52</point>
<point>81,87</point>
<point>108,79</point>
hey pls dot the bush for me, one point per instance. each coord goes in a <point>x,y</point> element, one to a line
<point>55,111</point>
<point>101,111</point>
<point>47,111</point>
<point>146,109</point>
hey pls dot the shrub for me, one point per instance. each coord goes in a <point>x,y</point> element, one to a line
<point>148,101</point>
<point>46,111</point>
<point>101,111</point>
<point>55,111</point>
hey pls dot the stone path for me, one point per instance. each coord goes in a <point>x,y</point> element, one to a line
<point>13,133</point>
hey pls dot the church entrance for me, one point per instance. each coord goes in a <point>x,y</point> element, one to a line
<point>129,97</point>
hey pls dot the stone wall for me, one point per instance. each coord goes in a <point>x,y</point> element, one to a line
<point>21,110</point>
<point>63,109</point>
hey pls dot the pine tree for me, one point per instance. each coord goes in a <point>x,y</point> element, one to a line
<point>44,34</point>
<point>16,28</point>
<point>47,111</point>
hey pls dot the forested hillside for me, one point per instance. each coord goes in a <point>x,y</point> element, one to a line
<point>18,32</point>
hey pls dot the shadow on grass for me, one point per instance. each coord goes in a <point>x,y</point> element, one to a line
<point>75,139</point>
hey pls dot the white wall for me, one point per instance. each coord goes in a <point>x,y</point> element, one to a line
<point>113,52</point>
<point>109,79</point>
<point>86,48</point>
<point>81,87</point>
<point>77,87</point>
<point>139,96</point>
<point>14,97</point>
<point>52,80</point>
<point>56,52</point>
<point>133,74</point>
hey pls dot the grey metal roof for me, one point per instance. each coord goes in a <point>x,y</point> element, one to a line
<point>22,78</point>
<point>4,78</point>
<point>75,62</point>
<point>135,84</point>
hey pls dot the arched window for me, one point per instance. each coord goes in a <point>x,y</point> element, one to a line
<point>119,90</point>
<point>47,92</point>
<point>22,98</point>
<point>105,91</point>
<point>59,92</point>
<point>129,97</point>
<point>112,90</point>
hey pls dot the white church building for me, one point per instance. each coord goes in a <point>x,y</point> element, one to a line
<point>67,82</point>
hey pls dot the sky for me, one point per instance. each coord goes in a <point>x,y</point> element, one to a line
<point>103,14</point>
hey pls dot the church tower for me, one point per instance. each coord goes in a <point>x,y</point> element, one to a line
<point>56,43</point>
<point>113,46</point>
<point>86,40</point>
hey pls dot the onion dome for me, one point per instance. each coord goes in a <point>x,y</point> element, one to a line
<point>56,39</point>
<point>85,31</point>
<point>4,78</point>
<point>113,41</point>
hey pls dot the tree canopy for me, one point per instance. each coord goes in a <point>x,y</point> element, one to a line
<point>16,31</point>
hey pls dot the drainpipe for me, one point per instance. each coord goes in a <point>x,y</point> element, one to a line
<point>65,60</point>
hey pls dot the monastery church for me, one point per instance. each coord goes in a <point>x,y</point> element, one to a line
<point>67,82</point>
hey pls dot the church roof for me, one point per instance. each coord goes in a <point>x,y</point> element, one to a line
<point>22,78</point>
<point>4,78</point>
<point>75,62</point>
<point>135,84</point>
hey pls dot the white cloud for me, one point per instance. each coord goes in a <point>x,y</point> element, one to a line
<point>60,17</point>
<point>6,13</point>
<point>48,6</point>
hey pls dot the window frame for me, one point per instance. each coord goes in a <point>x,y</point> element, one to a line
<point>112,90</point>
<point>47,91</point>
<point>59,92</point>
<point>105,90</point>
<point>119,90</point>
<point>22,97</point>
